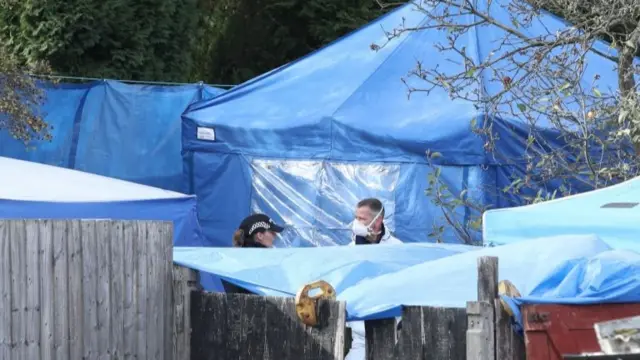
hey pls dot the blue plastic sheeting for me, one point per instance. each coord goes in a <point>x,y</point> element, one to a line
<point>128,132</point>
<point>282,272</point>
<point>610,213</point>
<point>375,281</point>
<point>452,281</point>
<point>306,141</point>
<point>608,277</point>
<point>35,191</point>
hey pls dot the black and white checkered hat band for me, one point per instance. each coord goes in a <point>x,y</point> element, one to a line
<point>259,224</point>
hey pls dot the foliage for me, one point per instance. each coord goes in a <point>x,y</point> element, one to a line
<point>19,98</point>
<point>122,39</point>
<point>245,38</point>
<point>577,134</point>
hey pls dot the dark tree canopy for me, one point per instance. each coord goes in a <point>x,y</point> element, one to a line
<point>241,39</point>
<point>121,39</point>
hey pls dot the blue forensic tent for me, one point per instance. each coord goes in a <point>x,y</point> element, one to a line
<point>610,213</point>
<point>35,191</point>
<point>282,272</point>
<point>128,132</point>
<point>306,141</point>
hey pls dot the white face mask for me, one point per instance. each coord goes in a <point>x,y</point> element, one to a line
<point>360,229</point>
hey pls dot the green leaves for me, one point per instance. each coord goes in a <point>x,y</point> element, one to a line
<point>19,96</point>
<point>121,39</point>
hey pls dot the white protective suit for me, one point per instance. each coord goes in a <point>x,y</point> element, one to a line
<point>357,351</point>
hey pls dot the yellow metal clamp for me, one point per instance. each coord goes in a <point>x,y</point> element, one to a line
<point>306,306</point>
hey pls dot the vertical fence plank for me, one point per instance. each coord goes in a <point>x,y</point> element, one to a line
<point>117,290</point>
<point>18,288</point>
<point>180,287</point>
<point>46,272</point>
<point>61,276</point>
<point>5,291</point>
<point>153,252</point>
<point>130,290</point>
<point>90,291</point>
<point>142,315</point>
<point>166,278</point>
<point>103,286</point>
<point>380,339</point>
<point>185,281</point>
<point>33,290</point>
<point>76,291</point>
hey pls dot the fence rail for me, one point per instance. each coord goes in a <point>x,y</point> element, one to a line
<point>73,289</point>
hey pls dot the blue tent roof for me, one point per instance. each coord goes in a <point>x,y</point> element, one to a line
<point>34,191</point>
<point>585,213</point>
<point>348,102</point>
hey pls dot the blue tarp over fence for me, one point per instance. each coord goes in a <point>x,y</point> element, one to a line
<point>375,281</point>
<point>128,132</point>
<point>281,272</point>
<point>306,141</point>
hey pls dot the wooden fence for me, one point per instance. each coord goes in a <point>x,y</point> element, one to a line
<point>236,326</point>
<point>85,289</point>
<point>108,290</point>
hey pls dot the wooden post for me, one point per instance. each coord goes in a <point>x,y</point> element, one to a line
<point>185,281</point>
<point>247,327</point>
<point>380,339</point>
<point>481,319</point>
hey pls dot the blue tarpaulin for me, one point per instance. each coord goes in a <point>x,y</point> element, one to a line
<point>36,191</point>
<point>610,213</point>
<point>375,281</point>
<point>282,272</point>
<point>306,141</point>
<point>128,132</point>
<point>608,277</point>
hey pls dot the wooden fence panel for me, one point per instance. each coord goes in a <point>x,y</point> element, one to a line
<point>80,289</point>
<point>185,281</point>
<point>433,333</point>
<point>244,327</point>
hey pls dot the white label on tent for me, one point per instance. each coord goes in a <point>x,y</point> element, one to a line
<point>206,134</point>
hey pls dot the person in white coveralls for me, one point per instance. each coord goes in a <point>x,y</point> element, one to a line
<point>368,229</point>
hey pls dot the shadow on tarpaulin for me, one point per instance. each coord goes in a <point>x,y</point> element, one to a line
<point>125,131</point>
